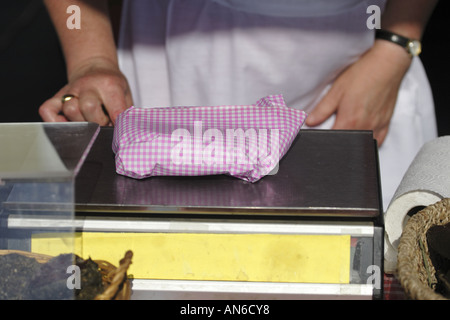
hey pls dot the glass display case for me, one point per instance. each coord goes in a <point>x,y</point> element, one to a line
<point>312,230</point>
<point>38,166</point>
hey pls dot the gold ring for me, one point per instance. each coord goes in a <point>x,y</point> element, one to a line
<point>67,97</point>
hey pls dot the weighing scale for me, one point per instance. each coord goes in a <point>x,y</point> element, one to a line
<point>313,230</point>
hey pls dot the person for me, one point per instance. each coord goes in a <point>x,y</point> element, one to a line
<point>321,55</point>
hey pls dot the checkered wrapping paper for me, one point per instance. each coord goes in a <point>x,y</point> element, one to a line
<point>245,141</point>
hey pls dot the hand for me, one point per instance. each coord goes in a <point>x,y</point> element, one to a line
<point>101,92</point>
<point>363,97</point>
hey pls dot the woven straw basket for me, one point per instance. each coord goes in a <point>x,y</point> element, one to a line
<point>414,261</point>
<point>117,284</point>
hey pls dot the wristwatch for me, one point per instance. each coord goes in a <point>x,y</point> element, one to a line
<point>413,47</point>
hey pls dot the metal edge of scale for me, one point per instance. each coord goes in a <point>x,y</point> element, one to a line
<point>315,212</point>
<point>91,224</point>
<point>232,290</point>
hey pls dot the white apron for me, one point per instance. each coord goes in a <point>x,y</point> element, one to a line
<point>216,52</point>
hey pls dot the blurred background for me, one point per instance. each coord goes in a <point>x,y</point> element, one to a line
<point>33,70</point>
<point>435,45</point>
<point>32,65</point>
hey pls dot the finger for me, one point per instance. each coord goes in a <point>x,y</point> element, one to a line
<point>71,109</point>
<point>380,135</point>
<point>326,107</point>
<point>352,114</point>
<point>349,118</point>
<point>91,107</point>
<point>115,103</point>
<point>51,110</point>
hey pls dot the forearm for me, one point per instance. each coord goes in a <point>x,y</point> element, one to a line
<point>407,17</point>
<point>94,40</point>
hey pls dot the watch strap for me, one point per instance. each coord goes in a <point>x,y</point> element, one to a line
<point>393,37</point>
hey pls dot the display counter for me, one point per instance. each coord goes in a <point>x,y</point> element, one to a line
<point>312,230</point>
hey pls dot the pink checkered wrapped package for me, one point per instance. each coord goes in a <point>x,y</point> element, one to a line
<point>244,141</point>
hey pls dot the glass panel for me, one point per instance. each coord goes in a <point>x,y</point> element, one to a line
<point>38,165</point>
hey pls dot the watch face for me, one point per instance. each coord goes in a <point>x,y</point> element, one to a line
<point>414,47</point>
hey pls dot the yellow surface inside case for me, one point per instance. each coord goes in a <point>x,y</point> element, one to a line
<point>202,256</point>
